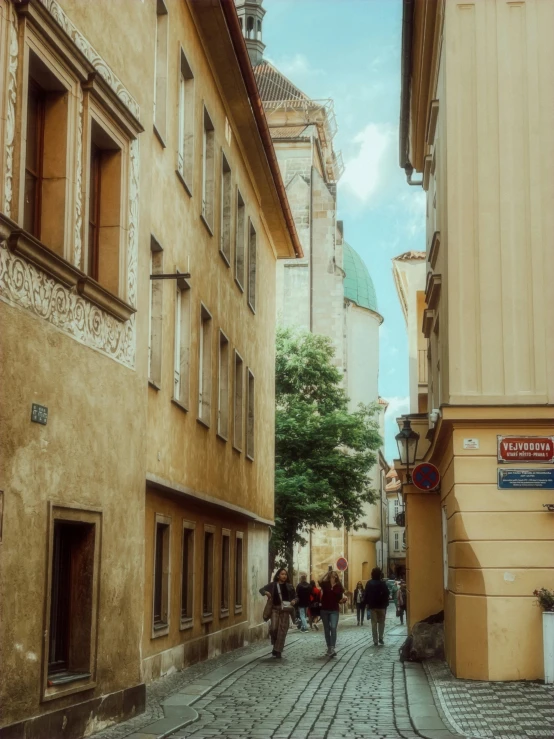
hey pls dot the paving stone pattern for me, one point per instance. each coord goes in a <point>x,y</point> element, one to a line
<point>307,695</point>
<point>514,710</point>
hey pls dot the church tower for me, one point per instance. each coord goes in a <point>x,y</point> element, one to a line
<point>251,14</point>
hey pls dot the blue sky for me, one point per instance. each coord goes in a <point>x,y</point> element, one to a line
<point>349,50</point>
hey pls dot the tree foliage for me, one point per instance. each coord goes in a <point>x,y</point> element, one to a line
<point>324,452</point>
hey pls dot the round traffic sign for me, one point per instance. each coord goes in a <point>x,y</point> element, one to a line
<point>342,564</point>
<point>426,476</point>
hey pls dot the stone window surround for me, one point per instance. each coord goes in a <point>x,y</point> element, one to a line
<point>162,629</point>
<point>187,622</point>
<point>43,26</point>
<point>238,605</point>
<point>90,516</point>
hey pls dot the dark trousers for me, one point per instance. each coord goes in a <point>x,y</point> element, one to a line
<point>360,612</point>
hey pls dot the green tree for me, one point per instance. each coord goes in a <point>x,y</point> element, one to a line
<point>324,452</point>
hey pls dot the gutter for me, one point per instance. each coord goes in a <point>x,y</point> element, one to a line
<point>405,90</point>
<point>231,17</point>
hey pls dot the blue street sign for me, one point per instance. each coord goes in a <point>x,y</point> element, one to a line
<point>509,479</point>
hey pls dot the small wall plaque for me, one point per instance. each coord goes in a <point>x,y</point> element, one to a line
<point>471,443</point>
<point>39,414</point>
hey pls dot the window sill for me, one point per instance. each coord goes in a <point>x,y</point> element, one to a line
<point>34,251</point>
<point>249,457</point>
<point>186,623</point>
<point>180,405</point>
<point>63,678</point>
<point>206,224</point>
<point>160,630</point>
<point>207,618</point>
<point>224,613</point>
<point>183,182</point>
<point>160,137</point>
<point>154,385</point>
<point>251,308</point>
<point>225,258</point>
<point>238,284</point>
<point>237,449</point>
<point>95,293</point>
<point>222,437</point>
<point>238,609</point>
<point>204,423</point>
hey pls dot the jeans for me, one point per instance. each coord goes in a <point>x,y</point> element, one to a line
<point>303,618</point>
<point>330,622</point>
<point>378,616</point>
<point>360,612</point>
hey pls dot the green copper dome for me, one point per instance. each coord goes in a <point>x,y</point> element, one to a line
<point>358,285</point>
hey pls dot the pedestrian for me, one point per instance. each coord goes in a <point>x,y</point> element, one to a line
<point>315,606</point>
<point>377,600</point>
<point>332,593</point>
<point>394,593</point>
<point>358,599</point>
<point>401,602</point>
<point>303,594</point>
<point>282,595</point>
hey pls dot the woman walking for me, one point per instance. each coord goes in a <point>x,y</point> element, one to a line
<point>332,593</point>
<point>359,601</point>
<point>283,597</point>
<point>401,602</point>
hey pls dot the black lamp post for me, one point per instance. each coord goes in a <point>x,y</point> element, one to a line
<point>407,440</point>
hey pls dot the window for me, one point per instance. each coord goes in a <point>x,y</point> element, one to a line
<point>156,308</point>
<point>185,149</point>
<point>239,245</point>
<point>225,571</point>
<point>225,216</point>
<point>396,509</point>
<point>396,541</point>
<point>71,626</point>
<point>181,360</point>
<point>238,571</point>
<point>160,89</point>
<point>205,366</point>
<point>160,611</point>
<point>208,159</point>
<point>46,168</point>
<point>223,387</point>
<point>237,401</point>
<point>187,574</point>
<point>250,416</point>
<point>249,27</point>
<point>105,221</point>
<point>252,267</point>
<point>208,572</point>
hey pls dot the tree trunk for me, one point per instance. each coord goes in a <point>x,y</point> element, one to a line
<point>289,557</point>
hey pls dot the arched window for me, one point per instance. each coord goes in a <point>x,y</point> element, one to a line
<point>259,34</point>
<point>250,27</point>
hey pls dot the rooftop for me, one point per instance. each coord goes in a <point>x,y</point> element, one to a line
<point>358,285</point>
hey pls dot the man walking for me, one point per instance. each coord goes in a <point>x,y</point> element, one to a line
<point>377,600</point>
<point>303,592</point>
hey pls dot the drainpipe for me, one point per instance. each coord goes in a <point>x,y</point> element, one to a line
<point>405,90</point>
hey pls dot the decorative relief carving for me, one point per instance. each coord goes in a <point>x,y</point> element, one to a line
<point>10,113</point>
<point>22,284</point>
<point>132,247</point>
<point>77,246</point>
<point>94,58</point>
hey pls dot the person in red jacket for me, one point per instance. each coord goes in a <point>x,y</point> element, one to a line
<point>332,593</point>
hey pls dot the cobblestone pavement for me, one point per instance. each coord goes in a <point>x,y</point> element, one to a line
<point>514,710</point>
<point>307,695</point>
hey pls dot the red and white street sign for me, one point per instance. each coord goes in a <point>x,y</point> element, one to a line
<point>526,449</point>
<point>342,564</point>
<point>425,476</point>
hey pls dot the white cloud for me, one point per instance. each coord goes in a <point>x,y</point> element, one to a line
<point>295,66</point>
<point>398,405</point>
<point>414,208</point>
<point>368,168</point>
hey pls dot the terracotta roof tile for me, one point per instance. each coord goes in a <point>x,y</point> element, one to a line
<point>410,255</point>
<point>274,86</point>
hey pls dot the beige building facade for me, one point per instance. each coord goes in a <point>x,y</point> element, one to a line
<point>476,124</point>
<point>136,463</point>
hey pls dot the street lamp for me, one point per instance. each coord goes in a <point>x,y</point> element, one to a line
<point>407,440</point>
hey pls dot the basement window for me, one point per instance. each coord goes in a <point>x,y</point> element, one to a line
<point>225,571</point>
<point>238,571</point>
<point>160,604</point>
<point>208,574</point>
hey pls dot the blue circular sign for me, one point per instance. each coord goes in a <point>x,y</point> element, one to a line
<point>426,476</point>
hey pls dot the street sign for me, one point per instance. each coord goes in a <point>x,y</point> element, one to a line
<point>529,479</point>
<point>342,564</point>
<point>525,449</point>
<point>426,476</point>
<point>39,414</point>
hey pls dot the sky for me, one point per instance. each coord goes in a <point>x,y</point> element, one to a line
<point>349,50</point>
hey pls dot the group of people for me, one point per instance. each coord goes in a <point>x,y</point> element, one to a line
<point>314,603</point>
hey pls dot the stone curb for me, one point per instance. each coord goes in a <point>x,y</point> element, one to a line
<point>427,718</point>
<point>177,707</point>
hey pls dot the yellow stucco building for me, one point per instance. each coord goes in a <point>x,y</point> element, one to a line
<point>476,131</point>
<point>137,434</point>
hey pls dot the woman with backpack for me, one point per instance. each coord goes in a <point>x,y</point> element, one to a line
<point>332,593</point>
<point>281,599</point>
